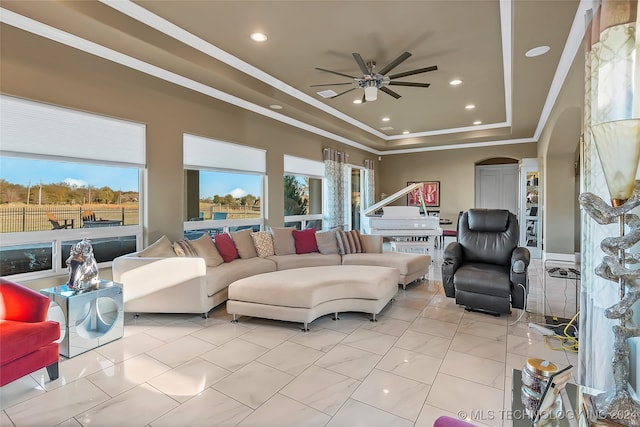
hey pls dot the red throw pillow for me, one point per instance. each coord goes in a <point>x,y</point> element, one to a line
<point>305,241</point>
<point>226,247</point>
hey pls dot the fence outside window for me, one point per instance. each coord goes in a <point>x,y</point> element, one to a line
<point>41,218</point>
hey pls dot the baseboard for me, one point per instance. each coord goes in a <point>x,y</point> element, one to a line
<point>549,256</point>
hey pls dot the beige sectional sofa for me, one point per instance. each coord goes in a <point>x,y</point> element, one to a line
<point>193,277</point>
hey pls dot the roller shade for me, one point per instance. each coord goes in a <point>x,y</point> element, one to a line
<point>34,129</point>
<point>207,153</point>
<point>301,166</point>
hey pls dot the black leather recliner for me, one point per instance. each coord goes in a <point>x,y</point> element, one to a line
<point>485,270</point>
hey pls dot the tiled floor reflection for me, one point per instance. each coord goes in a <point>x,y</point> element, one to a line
<point>425,357</point>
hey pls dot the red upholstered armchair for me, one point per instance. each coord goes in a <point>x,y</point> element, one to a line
<point>27,339</point>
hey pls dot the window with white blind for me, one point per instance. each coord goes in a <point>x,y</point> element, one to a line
<point>66,175</point>
<point>224,184</point>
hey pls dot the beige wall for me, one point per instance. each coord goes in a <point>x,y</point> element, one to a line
<point>557,149</point>
<point>560,205</point>
<point>455,169</point>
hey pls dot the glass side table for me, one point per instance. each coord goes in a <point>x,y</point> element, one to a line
<point>88,319</point>
<point>561,289</point>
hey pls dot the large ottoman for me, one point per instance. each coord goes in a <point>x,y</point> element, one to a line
<point>304,294</point>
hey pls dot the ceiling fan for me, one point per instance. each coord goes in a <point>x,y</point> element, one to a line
<point>372,80</point>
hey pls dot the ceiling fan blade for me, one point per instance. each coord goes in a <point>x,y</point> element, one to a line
<point>413,84</point>
<point>412,72</point>
<point>331,84</point>
<point>336,72</point>
<point>342,93</point>
<point>390,92</point>
<point>393,64</point>
<point>361,64</point>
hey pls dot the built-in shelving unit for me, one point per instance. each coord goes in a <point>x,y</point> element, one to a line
<point>530,213</point>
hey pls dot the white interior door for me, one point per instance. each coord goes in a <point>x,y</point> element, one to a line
<point>497,187</point>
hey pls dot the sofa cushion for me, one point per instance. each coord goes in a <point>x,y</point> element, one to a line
<point>405,263</point>
<point>327,242</point>
<point>349,242</point>
<point>22,338</point>
<point>161,248</point>
<point>263,242</point>
<point>286,262</point>
<point>283,243</point>
<point>183,248</point>
<point>226,247</point>
<point>206,249</point>
<point>305,240</point>
<point>218,278</point>
<point>244,243</point>
<point>371,243</point>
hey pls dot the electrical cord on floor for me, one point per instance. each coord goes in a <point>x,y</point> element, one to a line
<point>524,309</point>
<point>568,342</point>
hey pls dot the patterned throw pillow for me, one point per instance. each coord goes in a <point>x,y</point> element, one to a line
<point>263,243</point>
<point>183,248</point>
<point>349,242</point>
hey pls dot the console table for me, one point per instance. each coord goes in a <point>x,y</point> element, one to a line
<point>88,319</point>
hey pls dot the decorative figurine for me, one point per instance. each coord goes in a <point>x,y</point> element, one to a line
<point>83,268</point>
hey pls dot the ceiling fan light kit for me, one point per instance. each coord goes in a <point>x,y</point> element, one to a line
<point>371,81</point>
<point>370,93</point>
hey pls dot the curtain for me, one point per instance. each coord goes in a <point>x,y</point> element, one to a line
<point>336,184</point>
<point>369,191</point>
<point>612,87</point>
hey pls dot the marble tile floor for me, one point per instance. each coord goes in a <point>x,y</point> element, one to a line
<point>425,357</point>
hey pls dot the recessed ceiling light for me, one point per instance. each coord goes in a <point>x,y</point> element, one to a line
<point>405,132</point>
<point>357,101</point>
<point>259,37</point>
<point>386,128</point>
<point>537,51</point>
<point>385,119</point>
<point>477,122</point>
<point>275,107</point>
<point>455,82</point>
<point>470,107</point>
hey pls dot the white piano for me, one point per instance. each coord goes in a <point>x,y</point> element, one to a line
<point>407,229</point>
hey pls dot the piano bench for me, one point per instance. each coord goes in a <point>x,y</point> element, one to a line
<point>425,247</point>
<point>412,246</point>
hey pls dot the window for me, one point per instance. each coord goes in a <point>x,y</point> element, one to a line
<point>303,192</point>
<point>356,180</point>
<point>59,185</point>
<point>224,198</point>
<point>224,186</point>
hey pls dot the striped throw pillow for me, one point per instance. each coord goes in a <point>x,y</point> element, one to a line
<point>349,242</point>
<point>183,248</point>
